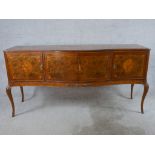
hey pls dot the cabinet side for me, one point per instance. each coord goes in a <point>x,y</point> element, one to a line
<point>147,63</point>
<point>7,67</point>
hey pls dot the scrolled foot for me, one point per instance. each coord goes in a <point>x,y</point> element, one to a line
<point>146,88</point>
<point>8,92</point>
<point>13,114</point>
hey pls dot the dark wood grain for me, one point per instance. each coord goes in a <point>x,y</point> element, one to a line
<point>25,66</point>
<point>129,65</point>
<point>94,67</point>
<point>61,67</point>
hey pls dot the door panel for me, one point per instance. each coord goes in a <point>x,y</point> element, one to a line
<point>94,67</point>
<point>129,66</point>
<point>62,67</point>
<point>25,66</point>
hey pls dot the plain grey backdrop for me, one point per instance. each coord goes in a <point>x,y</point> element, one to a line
<point>98,110</point>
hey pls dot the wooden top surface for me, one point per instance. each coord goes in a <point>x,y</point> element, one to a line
<point>91,47</point>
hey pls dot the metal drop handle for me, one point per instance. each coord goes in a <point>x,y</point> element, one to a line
<point>114,66</point>
<point>41,67</point>
<point>79,68</point>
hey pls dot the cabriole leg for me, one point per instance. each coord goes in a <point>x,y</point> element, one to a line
<point>8,91</point>
<point>146,88</point>
<point>132,85</point>
<point>22,92</point>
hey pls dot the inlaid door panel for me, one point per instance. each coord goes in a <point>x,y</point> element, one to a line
<point>61,66</point>
<point>94,67</point>
<point>25,66</point>
<point>129,65</point>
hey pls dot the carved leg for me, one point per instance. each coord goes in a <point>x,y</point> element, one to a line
<point>22,92</point>
<point>8,91</point>
<point>146,88</point>
<point>132,85</point>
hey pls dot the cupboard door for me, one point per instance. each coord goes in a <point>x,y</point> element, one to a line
<point>94,67</point>
<point>25,66</point>
<point>61,66</point>
<point>128,66</point>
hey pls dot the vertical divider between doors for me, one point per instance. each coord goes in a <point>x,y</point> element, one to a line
<point>111,66</point>
<point>44,69</point>
<point>78,72</point>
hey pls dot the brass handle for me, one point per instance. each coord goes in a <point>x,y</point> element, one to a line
<point>79,68</point>
<point>114,66</point>
<point>41,67</point>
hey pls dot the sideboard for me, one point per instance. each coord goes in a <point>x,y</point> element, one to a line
<point>76,65</point>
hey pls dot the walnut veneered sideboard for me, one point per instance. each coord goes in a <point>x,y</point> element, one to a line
<point>76,65</point>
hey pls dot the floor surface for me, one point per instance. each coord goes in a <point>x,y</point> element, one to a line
<point>95,110</point>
